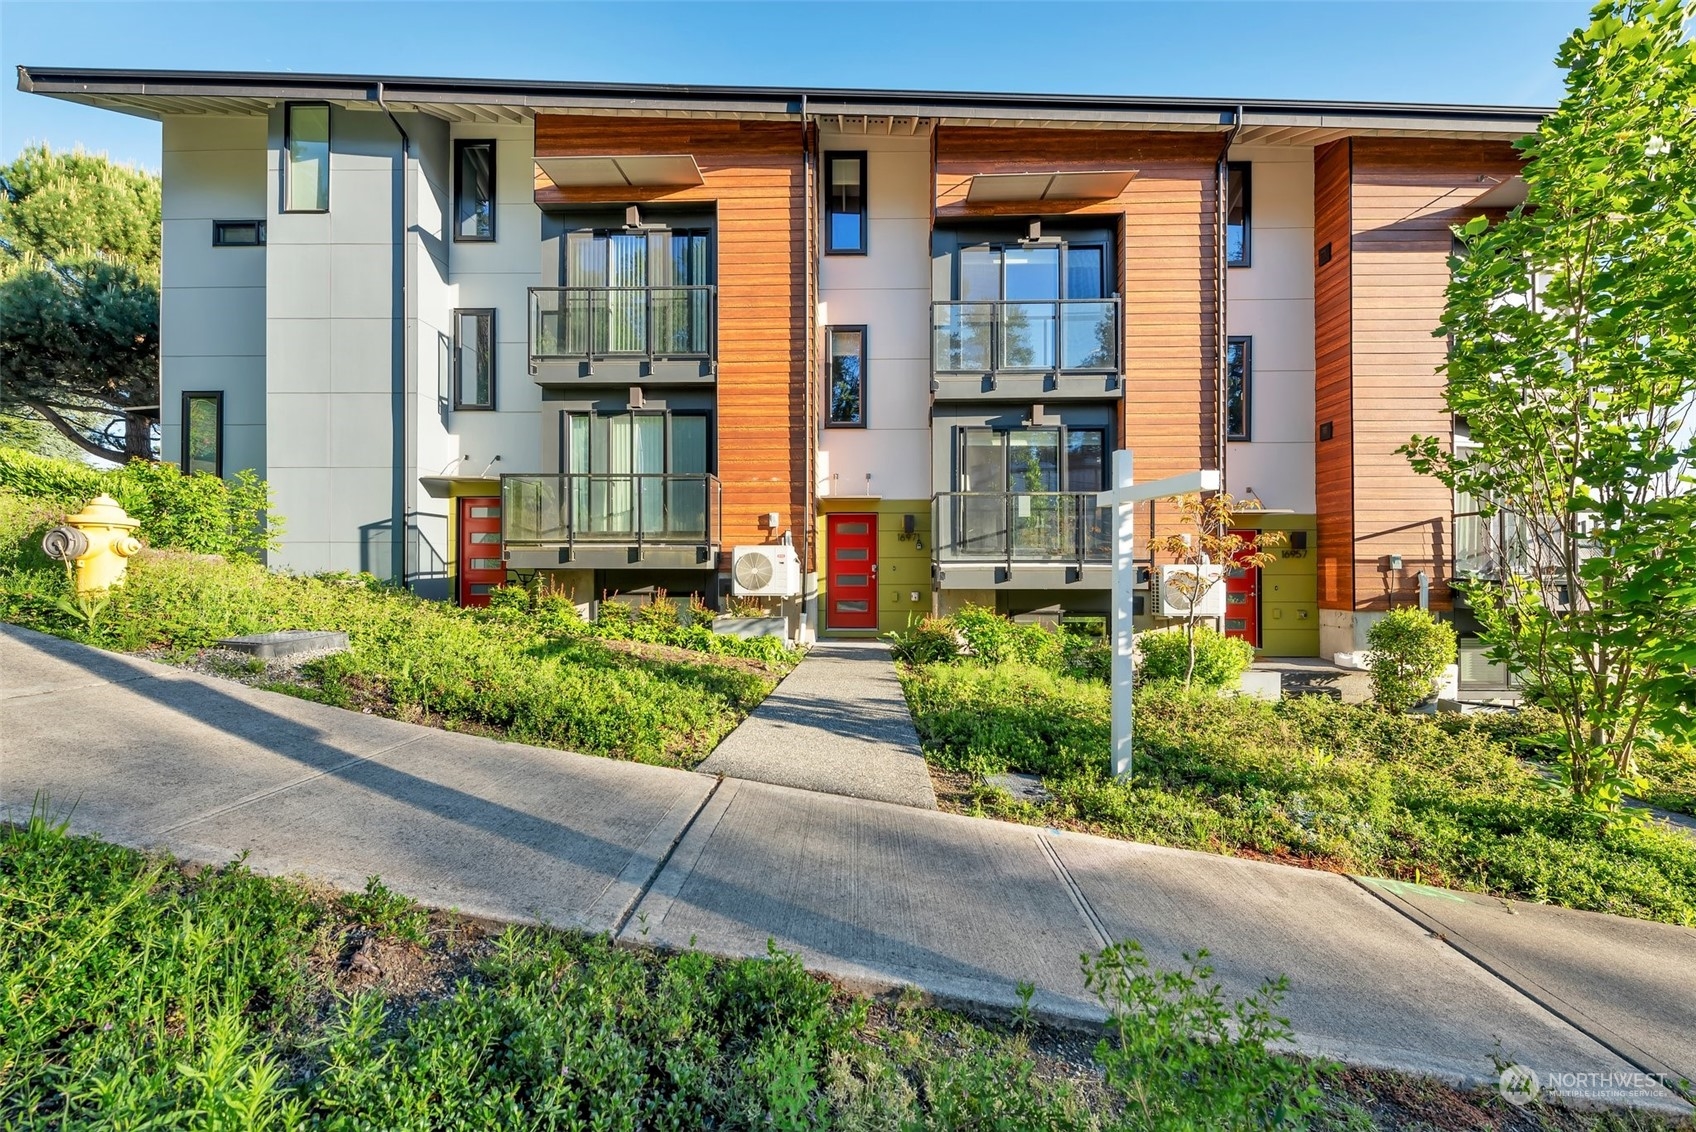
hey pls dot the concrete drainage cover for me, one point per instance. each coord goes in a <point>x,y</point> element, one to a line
<point>288,642</point>
<point>1024,787</point>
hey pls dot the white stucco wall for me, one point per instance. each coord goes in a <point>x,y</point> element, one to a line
<point>212,300</point>
<point>499,275</point>
<point>888,292</point>
<point>1272,302</point>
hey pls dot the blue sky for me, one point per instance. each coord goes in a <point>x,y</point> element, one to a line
<point>1379,50</point>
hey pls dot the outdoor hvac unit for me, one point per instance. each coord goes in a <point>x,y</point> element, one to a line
<point>765,571</point>
<point>1175,585</point>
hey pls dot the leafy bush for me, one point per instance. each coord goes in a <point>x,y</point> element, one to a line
<point>199,513</point>
<point>931,640</point>
<point>1184,1059</point>
<point>995,639</point>
<point>1410,650</point>
<point>1164,655</point>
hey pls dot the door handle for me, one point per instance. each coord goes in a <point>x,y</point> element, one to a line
<point>874,569</point>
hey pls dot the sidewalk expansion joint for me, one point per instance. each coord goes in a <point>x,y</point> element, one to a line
<point>290,785</point>
<point>661,860</point>
<point>1077,894</point>
<point>1524,987</point>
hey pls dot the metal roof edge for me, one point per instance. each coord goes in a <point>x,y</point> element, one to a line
<point>93,82</point>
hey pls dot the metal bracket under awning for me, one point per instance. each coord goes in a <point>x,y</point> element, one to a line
<point>648,171</point>
<point>1093,184</point>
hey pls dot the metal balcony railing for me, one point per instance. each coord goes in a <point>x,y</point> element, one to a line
<point>629,509</point>
<point>1052,527</point>
<point>1055,336</point>
<point>586,323</point>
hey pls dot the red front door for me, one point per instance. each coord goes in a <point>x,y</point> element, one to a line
<point>1242,599</point>
<point>481,567</point>
<point>851,575</point>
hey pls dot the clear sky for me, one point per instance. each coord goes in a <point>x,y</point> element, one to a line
<point>1377,50</point>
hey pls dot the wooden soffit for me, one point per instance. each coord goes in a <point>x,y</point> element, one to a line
<point>1093,184</point>
<point>646,171</point>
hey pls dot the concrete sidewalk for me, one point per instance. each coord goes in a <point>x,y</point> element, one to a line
<point>874,894</point>
<point>838,724</point>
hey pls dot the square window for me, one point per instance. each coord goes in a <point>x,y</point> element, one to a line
<point>847,361</point>
<point>845,203</point>
<point>474,191</point>
<point>474,359</point>
<point>306,157</point>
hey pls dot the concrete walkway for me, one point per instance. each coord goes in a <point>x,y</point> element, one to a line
<point>838,724</point>
<point>876,895</point>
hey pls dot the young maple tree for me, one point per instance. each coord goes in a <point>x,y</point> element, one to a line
<point>1204,554</point>
<point>1572,376</point>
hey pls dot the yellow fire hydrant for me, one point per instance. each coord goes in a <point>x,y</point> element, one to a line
<point>97,541</point>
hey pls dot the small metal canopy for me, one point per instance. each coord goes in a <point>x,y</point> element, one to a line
<point>648,171</point>
<point>1094,184</point>
<point>1503,194</point>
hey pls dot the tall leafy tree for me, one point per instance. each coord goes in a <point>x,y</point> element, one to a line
<point>1573,373</point>
<point>79,300</point>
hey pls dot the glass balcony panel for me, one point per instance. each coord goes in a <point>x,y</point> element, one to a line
<point>598,322</point>
<point>1027,526</point>
<point>1089,335</point>
<point>965,337</point>
<point>612,507</point>
<point>1028,335</point>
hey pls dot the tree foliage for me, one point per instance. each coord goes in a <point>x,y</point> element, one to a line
<point>1573,370</point>
<point>1205,547</point>
<point>79,300</point>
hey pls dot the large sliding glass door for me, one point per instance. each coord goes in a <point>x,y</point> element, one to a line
<point>637,293</point>
<point>1029,492</point>
<point>638,472</point>
<point>1028,306</point>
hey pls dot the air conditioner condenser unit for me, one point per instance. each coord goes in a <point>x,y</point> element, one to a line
<point>765,571</point>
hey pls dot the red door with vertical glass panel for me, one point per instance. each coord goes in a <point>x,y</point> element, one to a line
<point>1242,598</point>
<point>481,567</point>
<point>851,574</point>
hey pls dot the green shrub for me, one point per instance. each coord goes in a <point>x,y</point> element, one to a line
<point>1164,656</point>
<point>199,513</point>
<point>995,639</point>
<point>930,640</point>
<point>1410,650</point>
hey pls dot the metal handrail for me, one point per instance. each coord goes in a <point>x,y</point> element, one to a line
<point>949,509</point>
<point>557,522</point>
<point>701,325</point>
<point>998,321</point>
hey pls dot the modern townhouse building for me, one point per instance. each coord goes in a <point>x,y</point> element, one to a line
<point>879,344</point>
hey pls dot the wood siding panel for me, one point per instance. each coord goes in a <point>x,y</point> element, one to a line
<point>1333,377</point>
<point>755,178</point>
<point>1405,196</point>
<point>1169,257</point>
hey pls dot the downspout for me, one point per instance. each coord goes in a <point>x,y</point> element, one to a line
<point>406,491</point>
<point>809,319</point>
<point>1222,329</point>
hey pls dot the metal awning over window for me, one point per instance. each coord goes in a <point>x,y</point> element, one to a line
<point>1096,184</point>
<point>655,171</point>
<point>1503,194</point>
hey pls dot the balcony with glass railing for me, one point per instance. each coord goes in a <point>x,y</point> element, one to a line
<point>611,519</point>
<point>1015,535</point>
<point>1069,347</point>
<point>614,333</point>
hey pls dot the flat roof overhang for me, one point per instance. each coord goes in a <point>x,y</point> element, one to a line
<point>155,94</point>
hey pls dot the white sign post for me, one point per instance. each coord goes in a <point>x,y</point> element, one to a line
<point>1124,497</point>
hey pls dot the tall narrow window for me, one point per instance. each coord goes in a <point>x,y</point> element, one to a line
<point>474,359</point>
<point>845,203</point>
<point>1239,374</point>
<point>847,375</point>
<point>474,190</point>
<point>306,157</point>
<point>203,433</point>
<point>1238,191</point>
